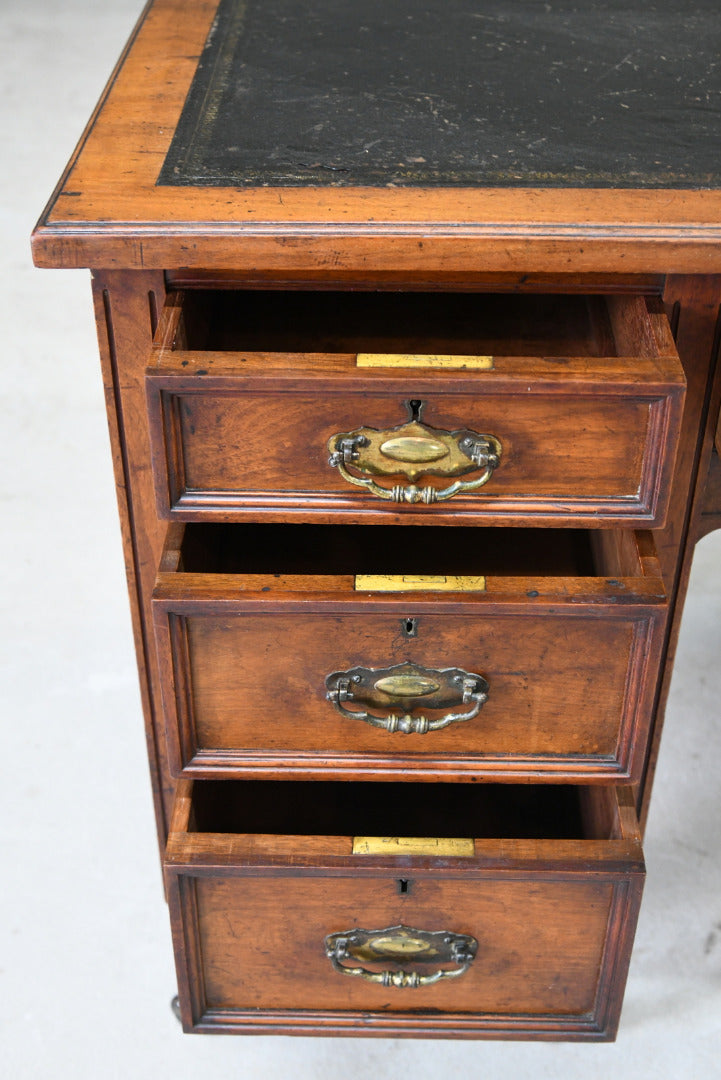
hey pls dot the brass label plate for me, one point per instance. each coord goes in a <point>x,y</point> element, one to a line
<point>418,583</point>
<point>413,845</point>
<point>430,360</point>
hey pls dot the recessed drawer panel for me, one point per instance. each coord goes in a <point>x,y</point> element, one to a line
<point>397,651</point>
<point>491,911</point>
<point>541,409</point>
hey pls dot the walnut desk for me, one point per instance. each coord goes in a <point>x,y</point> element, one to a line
<point>409,324</point>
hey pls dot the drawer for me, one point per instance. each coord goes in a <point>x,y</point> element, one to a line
<point>321,650</point>
<point>493,910</point>
<point>261,404</point>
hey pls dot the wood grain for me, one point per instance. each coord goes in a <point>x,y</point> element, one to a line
<point>126,308</point>
<point>221,449</point>
<point>572,676</point>
<point>108,211</point>
<point>694,305</point>
<point>554,938</point>
<point>709,516</point>
<point>588,407</point>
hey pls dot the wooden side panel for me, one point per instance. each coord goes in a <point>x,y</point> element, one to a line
<point>709,515</point>
<point>694,306</point>
<point>707,507</point>
<point>126,306</point>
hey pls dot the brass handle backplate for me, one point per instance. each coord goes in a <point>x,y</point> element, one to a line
<point>398,944</point>
<point>409,687</point>
<point>413,449</point>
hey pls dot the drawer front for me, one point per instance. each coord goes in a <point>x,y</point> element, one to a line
<point>232,445</point>
<point>537,948</point>
<point>569,694</point>
<point>259,953</point>
<point>536,438</point>
<point>538,676</point>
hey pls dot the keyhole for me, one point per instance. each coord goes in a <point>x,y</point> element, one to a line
<point>403,886</point>
<point>415,406</point>
<point>410,627</point>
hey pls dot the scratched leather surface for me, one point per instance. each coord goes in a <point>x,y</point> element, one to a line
<point>618,93</point>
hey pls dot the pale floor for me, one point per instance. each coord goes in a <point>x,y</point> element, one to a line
<point>86,971</point>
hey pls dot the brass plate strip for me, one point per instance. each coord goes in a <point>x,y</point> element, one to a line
<point>432,360</point>
<point>418,583</point>
<point>413,845</point>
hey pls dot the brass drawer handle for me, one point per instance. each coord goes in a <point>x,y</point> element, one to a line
<point>407,685</point>
<point>415,450</point>
<point>399,943</point>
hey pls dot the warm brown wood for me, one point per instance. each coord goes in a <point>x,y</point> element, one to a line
<point>577,644</point>
<point>417,280</point>
<point>629,554</point>
<point>508,325</point>
<point>571,664</point>
<point>709,517</point>
<point>554,936</point>
<point>126,308</point>
<point>694,304</point>
<point>240,431</point>
<point>103,215</point>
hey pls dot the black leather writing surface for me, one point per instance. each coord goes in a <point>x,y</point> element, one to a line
<point>568,93</point>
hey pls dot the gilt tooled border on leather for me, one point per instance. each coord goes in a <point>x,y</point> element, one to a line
<point>619,93</point>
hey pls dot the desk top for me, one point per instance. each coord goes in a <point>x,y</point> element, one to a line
<point>617,93</point>
<point>548,137</point>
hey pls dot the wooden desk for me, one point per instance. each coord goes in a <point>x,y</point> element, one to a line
<point>277,174</point>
